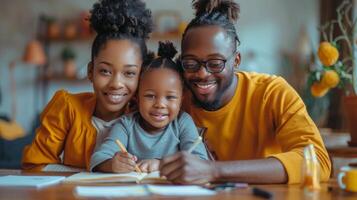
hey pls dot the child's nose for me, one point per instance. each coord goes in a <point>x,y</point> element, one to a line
<point>160,103</point>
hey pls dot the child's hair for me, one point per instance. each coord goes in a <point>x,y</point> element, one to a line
<point>120,19</point>
<point>166,53</point>
<point>222,13</point>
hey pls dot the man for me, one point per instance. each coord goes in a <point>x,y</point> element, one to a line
<point>257,125</point>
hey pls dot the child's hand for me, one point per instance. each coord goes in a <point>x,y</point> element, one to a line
<point>123,162</point>
<point>149,165</point>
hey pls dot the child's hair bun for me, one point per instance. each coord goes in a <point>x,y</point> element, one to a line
<point>166,50</point>
<point>121,16</point>
<point>226,7</point>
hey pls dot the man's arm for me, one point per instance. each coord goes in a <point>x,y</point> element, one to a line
<point>185,168</point>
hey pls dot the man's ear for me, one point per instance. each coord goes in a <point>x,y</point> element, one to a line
<point>237,60</point>
<point>90,71</point>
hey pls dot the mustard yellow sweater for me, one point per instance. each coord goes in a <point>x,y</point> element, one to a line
<point>265,118</point>
<point>65,126</point>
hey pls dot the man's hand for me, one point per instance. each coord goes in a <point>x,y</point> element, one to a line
<point>123,162</point>
<point>185,168</point>
<point>149,165</point>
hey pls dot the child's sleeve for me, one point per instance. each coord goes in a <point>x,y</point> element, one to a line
<point>188,135</point>
<point>50,136</point>
<point>108,148</point>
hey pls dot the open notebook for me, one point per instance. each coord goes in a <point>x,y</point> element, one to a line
<point>133,177</point>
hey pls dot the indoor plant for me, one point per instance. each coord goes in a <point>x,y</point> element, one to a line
<point>69,66</point>
<point>336,70</point>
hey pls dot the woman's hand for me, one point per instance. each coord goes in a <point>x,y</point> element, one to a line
<point>123,162</point>
<point>149,165</point>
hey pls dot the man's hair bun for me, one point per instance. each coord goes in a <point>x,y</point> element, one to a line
<point>227,7</point>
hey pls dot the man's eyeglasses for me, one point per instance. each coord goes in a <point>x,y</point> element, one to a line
<point>191,65</point>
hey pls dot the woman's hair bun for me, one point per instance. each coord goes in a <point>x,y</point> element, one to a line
<point>166,50</point>
<point>121,16</point>
<point>227,7</point>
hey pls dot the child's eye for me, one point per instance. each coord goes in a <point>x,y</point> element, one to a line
<point>149,96</point>
<point>130,74</point>
<point>171,97</point>
<point>105,72</point>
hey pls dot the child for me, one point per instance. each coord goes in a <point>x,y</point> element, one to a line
<point>158,129</point>
<point>72,124</point>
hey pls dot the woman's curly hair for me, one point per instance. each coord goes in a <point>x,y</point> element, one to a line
<point>121,19</point>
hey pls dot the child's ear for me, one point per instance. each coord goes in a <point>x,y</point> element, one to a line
<point>90,71</point>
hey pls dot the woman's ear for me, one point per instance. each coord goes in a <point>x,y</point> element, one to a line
<point>90,71</point>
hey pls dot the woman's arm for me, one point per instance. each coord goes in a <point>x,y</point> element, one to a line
<point>50,136</point>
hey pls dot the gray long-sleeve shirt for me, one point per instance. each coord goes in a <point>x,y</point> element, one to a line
<point>179,135</point>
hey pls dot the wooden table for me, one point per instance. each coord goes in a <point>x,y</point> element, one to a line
<point>66,191</point>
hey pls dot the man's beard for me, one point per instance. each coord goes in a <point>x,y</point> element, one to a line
<point>216,103</point>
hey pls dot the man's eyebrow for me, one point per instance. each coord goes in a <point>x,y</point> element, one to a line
<point>210,55</point>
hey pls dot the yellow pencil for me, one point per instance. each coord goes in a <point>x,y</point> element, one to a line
<point>197,141</point>
<point>123,149</point>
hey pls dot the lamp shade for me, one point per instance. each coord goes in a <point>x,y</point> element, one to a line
<point>34,53</point>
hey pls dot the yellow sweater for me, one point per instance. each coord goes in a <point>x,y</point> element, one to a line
<point>265,118</point>
<point>66,125</point>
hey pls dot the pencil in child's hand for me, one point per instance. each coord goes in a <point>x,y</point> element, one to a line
<point>123,149</point>
<point>198,140</point>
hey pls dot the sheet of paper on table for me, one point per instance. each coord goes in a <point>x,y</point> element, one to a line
<point>29,181</point>
<point>142,190</point>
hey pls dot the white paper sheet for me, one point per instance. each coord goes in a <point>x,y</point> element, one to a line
<point>61,168</point>
<point>111,191</point>
<point>184,190</point>
<point>141,190</point>
<point>29,181</point>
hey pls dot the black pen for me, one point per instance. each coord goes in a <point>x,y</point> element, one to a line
<point>262,193</point>
<point>229,185</point>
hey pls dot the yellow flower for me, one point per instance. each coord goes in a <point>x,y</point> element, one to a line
<point>328,54</point>
<point>318,90</point>
<point>330,79</point>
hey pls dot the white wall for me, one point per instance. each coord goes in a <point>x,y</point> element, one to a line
<point>265,27</point>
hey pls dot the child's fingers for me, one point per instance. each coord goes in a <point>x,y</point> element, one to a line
<point>122,157</point>
<point>154,166</point>
<point>144,166</point>
<point>128,155</point>
<point>123,167</point>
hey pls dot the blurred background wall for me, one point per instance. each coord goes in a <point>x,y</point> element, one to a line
<point>269,31</point>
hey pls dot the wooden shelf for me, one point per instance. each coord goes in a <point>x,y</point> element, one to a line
<point>62,78</point>
<point>63,40</point>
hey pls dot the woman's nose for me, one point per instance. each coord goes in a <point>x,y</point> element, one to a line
<point>116,82</point>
